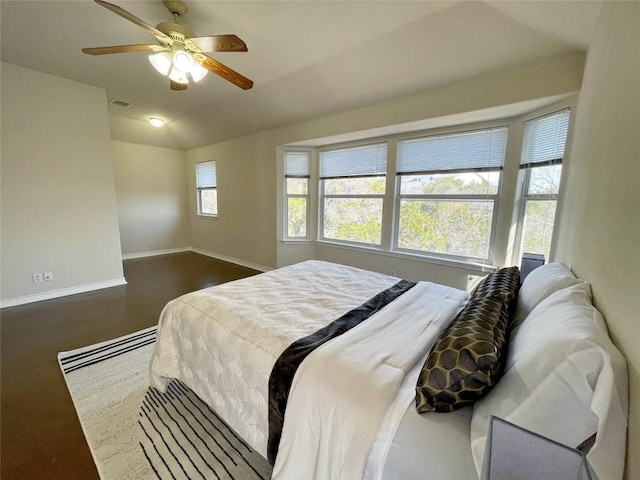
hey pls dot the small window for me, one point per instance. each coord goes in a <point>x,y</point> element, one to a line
<point>541,168</point>
<point>352,188</point>
<point>448,187</point>
<point>207,188</point>
<point>296,178</point>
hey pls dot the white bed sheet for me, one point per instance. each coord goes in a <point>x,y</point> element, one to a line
<point>431,446</point>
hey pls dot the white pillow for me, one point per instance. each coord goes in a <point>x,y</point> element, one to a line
<point>538,285</point>
<point>563,379</point>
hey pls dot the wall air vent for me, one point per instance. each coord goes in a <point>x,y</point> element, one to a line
<point>119,103</point>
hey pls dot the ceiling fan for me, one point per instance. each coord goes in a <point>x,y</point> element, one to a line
<point>180,53</point>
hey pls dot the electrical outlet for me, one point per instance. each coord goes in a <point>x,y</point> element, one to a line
<point>393,273</point>
<point>48,276</point>
<point>37,277</point>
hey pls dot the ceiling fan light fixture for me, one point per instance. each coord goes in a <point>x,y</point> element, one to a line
<point>161,62</point>
<point>198,72</point>
<point>183,61</point>
<point>156,122</point>
<point>178,76</point>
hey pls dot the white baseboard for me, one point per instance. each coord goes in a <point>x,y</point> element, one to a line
<point>237,261</point>
<point>63,292</point>
<point>219,256</point>
<point>153,253</point>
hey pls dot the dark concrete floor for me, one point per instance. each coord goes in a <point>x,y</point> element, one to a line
<point>41,437</point>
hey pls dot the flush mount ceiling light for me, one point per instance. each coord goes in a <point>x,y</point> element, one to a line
<point>156,122</point>
<point>179,54</point>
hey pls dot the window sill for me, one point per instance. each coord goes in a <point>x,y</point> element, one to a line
<point>204,215</point>
<point>291,241</point>
<point>465,265</point>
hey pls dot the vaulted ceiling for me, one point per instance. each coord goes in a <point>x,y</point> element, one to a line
<point>307,58</point>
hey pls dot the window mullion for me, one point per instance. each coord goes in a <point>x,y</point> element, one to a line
<point>389,211</point>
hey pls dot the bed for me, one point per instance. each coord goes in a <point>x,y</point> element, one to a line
<point>324,368</point>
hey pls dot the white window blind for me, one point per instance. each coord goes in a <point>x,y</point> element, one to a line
<point>544,139</point>
<point>206,175</point>
<point>364,161</point>
<point>464,151</point>
<point>297,164</point>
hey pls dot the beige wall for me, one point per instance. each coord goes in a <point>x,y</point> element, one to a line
<point>151,189</point>
<point>58,196</point>
<point>245,226</point>
<point>248,226</point>
<point>599,234</point>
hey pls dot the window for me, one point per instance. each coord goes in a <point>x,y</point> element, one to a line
<point>296,176</point>
<point>437,196</point>
<point>352,188</point>
<point>541,167</point>
<point>207,188</point>
<point>448,188</point>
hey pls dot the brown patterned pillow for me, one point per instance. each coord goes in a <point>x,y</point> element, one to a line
<point>504,283</point>
<point>468,357</point>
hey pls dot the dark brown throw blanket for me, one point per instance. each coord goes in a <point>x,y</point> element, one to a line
<point>285,368</point>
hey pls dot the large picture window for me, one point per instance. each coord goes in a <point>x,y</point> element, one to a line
<point>541,168</point>
<point>448,188</point>
<point>449,196</point>
<point>297,167</point>
<point>352,188</point>
<point>207,187</point>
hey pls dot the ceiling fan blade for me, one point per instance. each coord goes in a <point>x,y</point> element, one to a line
<point>177,86</point>
<point>219,43</point>
<point>132,18</point>
<point>226,73</point>
<point>122,49</point>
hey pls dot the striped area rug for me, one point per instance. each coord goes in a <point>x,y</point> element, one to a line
<point>137,432</point>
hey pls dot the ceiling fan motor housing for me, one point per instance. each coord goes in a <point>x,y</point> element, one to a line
<point>176,31</point>
<point>176,7</point>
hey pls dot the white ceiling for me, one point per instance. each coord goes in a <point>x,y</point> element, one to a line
<point>307,58</point>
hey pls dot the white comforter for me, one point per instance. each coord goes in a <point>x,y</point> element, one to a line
<point>223,342</point>
<point>343,391</point>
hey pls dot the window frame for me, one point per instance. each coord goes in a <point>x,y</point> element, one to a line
<point>525,197</point>
<point>287,196</point>
<point>495,198</point>
<point>322,195</point>
<point>200,189</point>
